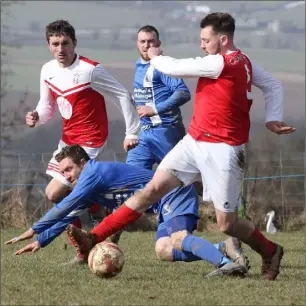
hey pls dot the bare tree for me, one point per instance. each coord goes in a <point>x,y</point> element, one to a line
<point>12,117</point>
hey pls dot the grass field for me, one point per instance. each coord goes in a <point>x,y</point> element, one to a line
<point>42,279</point>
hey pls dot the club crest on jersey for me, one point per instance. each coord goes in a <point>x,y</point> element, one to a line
<point>76,78</point>
<point>64,107</point>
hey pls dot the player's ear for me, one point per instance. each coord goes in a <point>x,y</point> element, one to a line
<point>75,42</point>
<point>158,43</point>
<point>83,162</point>
<point>223,40</point>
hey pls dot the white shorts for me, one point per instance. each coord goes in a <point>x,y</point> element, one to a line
<point>53,169</point>
<point>220,166</point>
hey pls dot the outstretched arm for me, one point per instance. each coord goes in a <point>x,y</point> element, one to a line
<point>274,100</point>
<point>65,212</point>
<point>209,66</point>
<point>112,90</point>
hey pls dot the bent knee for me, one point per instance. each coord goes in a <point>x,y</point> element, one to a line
<point>177,239</point>
<point>163,249</point>
<point>55,195</point>
<point>226,227</point>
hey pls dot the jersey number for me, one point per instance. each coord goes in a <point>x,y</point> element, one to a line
<point>248,93</point>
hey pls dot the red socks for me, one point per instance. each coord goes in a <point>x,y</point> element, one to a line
<point>259,243</point>
<point>114,222</point>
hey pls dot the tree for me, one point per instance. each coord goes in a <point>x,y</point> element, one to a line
<point>12,118</point>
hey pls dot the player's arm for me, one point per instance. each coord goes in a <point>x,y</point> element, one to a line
<point>65,212</point>
<point>112,90</point>
<point>209,66</point>
<point>180,94</point>
<point>46,105</point>
<point>274,99</point>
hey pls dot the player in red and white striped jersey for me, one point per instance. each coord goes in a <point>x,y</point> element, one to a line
<point>214,146</point>
<point>80,87</point>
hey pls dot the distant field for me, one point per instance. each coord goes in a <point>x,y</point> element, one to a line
<point>82,14</point>
<point>41,279</point>
<point>26,61</point>
<point>102,15</point>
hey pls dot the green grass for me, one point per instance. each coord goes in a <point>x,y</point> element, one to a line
<point>41,279</point>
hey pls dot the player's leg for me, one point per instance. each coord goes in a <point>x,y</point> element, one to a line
<point>141,155</point>
<point>179,213</point>
<point>162,139</point>
<point>175,169</point>
<point>192,247</point>
<point>164,247</point>
<point>223,171</point>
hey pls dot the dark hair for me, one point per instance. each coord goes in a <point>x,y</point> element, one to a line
<point>220,23</point>
<point>60,27</point>
<point>75,152</point>
<point>149,29</point>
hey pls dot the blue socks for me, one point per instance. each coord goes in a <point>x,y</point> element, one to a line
<point>184,256</point>
<point>196,248</point>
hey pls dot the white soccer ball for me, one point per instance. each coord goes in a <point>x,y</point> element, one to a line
<point>106,259</point>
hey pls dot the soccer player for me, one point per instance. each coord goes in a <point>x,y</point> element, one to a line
<point>213,146</point>
<point>110,184</point>
<point>158,98</point>
<point>80,87</point>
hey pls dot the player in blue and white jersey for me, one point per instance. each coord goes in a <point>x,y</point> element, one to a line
<point>110,184</point>
<point>158,99</point>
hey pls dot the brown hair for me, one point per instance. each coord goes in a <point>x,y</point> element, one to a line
<point>149,29</point>
<point>220,23</point>
<point>75,152</point>
<point>60,27</point>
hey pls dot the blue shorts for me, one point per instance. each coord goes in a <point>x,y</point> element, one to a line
<point>176,224</point>
<point>178,210</point>
<point>154,144</point>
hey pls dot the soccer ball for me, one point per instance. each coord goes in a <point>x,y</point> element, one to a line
<point>106,259</point>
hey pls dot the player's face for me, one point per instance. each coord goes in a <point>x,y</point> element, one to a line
<point>145,40</point>
<point>70,169</point>
<point>62,47</point>
<point>211,42</point>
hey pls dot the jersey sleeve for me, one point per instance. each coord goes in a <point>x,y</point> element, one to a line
<point>272,91</point>
<point>113,91</point>
<point>209,66</point>
<point>65,212</point>
<point>46,103</point>
<point>180,94</point>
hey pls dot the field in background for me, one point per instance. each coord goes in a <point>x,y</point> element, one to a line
<point>41,278</point>
<point>129,15</point>
<point>26,61</point>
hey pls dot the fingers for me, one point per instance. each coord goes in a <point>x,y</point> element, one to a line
<point>31,118</point>
<point>27,248</point>
<point>14,240</point>
<point>286,130</point>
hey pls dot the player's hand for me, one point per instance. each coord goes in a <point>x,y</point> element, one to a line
<point>154,51</point>
<point>129,144</point>
<point>32,118</point>
<point>26,235</point>
<point>145,111</point>
<point>279,127</point>
<point>32,247</point>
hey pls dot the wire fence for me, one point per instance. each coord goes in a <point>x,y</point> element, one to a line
<point>274,180</point>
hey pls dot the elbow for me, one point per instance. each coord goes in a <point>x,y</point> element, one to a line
<point>184,96</point>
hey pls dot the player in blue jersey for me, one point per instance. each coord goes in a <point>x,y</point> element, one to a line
<point>158,99</point>
<point>110,184</point>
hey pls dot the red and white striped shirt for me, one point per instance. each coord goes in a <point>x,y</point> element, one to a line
<point>223,96</point>
<point>80,91</point>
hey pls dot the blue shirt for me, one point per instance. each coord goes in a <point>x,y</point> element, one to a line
<point>106,183</point>
<point>163,93</point>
